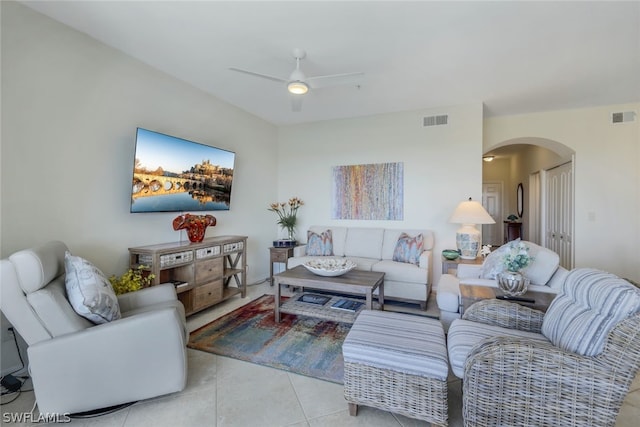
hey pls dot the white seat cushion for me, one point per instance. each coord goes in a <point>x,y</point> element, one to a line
<point>364,264</point>
<point>464,335</point>
<point>400,271</point>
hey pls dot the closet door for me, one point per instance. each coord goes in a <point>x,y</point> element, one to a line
<point>534,207</point>
<point>559,213</point>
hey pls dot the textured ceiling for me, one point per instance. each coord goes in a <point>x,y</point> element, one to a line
<point>515,57</point>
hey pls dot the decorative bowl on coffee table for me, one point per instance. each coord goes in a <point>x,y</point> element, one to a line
<point>329,267</point>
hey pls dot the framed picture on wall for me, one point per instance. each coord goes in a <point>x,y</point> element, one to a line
<point>368,192</point>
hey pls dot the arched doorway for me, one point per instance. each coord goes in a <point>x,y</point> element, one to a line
<point>543,207</point>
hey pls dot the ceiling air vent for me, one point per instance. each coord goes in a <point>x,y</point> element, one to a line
<point>623,117</point>
<point>435,120</point>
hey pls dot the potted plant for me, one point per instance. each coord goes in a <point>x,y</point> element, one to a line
<point>132,280</point>
<point>287,216</point>
<point>511,280</point>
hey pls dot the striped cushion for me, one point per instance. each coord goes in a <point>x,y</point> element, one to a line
<point>464,335</point>
<point>400,342</point>
<point>590,304</point>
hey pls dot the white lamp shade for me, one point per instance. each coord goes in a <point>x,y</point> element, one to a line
<point>471,212</point>
<point>468,236</point>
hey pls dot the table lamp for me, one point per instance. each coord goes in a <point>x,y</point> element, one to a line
<point>469,214</point>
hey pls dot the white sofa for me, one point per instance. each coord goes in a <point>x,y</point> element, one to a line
<point>544,272</point>
<point>372,250</point>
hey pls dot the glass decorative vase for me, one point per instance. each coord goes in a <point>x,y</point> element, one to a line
<point>512,283</point>
<point>196,225</point>
<point>291,234</point>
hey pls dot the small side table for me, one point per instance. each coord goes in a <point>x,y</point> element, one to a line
<point>512,231</point>
<point>470,294</point>
<point>278,255</point>
<point>453,263</point>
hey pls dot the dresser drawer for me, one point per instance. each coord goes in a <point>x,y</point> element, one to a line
<point>207,294</point>
<point>279,256</point>
<point>208,270</point>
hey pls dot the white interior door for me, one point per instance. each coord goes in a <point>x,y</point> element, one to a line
<point>534,207</point>
<point>492,202</point>
<point>558,221</point>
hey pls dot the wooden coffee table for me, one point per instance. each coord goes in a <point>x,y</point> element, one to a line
<point>472,293</point>
<point>355,282</point>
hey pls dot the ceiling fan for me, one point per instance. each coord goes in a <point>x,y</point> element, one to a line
<point>298,84</point>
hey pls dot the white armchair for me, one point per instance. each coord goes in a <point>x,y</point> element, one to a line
<point>544,273</point>
<point>77,366</point>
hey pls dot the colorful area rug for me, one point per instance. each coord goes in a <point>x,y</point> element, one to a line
<point>299,344</point>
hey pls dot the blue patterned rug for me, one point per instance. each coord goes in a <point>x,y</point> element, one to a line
<point>299,344</point>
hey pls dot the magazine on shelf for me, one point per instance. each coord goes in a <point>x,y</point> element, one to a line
<point>314,299</point>
<point>179,283</point>
<point>347,305</point>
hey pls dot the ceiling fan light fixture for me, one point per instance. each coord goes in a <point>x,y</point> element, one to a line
<point>298,88</point>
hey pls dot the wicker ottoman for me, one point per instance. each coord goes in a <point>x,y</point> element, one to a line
<point>398,363</point>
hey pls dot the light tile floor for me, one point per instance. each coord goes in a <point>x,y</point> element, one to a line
<point>226,392</point>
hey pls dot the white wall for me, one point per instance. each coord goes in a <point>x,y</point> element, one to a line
<point>442,166</point>
<point>70,108</point>
<point>607,179</point>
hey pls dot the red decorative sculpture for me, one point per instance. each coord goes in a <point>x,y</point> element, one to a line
<point>196,225</point>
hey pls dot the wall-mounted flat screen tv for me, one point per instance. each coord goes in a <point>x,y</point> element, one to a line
<point>172,174</point>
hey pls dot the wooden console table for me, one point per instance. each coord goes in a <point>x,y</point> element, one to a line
<point>201,271</point>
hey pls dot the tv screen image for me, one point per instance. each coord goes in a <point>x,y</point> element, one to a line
<point>172,174</point>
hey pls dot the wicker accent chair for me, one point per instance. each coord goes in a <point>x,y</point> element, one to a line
<point>575,366</point>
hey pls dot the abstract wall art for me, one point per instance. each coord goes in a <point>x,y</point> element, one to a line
<point>368,192</point>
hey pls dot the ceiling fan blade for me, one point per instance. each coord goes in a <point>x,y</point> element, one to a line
<point>264,76</point>
<point>296,103</point>
<point>334,80</point>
